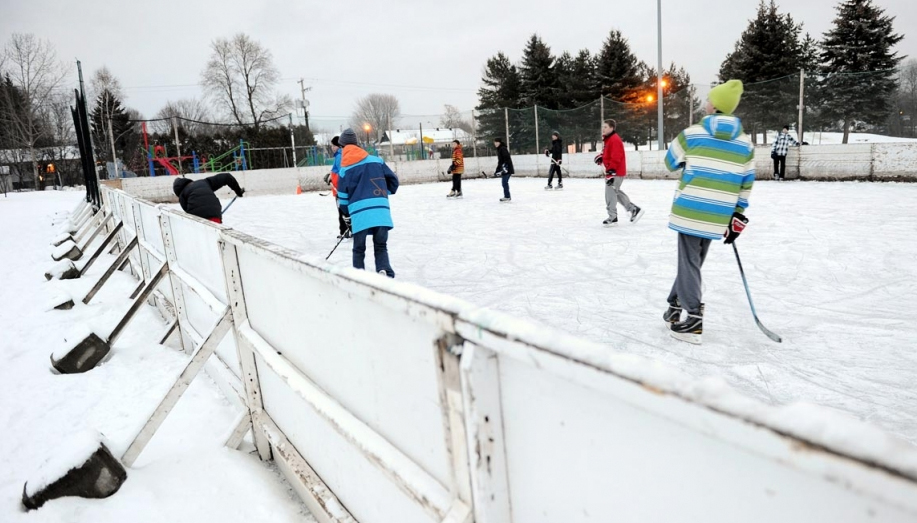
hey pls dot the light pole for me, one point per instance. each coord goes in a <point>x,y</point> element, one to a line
<point>659,81</point>
<point>649,99</point>
<point>366,129</point>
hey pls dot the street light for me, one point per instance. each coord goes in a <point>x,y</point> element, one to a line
<point>649,99</point>
<point>366,129</point>
<point>659,79</point>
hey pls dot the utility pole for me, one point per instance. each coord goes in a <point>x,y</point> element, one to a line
<point>659,76</point>
<point>537,142</point>
<point>177,146</point>
<point>293,141</point>
<point>305,103</point>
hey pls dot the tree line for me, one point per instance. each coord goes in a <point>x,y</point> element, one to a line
<point>853,81</point>
<point>36,127</point>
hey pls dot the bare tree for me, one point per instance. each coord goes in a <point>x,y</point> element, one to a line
<point>240,78</point>
<point>32,66</point>
<point>452,119</point>
<point>193,114</point>
<point>379,111</point>
<point>63,134</point>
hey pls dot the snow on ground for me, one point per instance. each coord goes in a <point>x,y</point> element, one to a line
<point>185,474</point>
<point>831,269</point>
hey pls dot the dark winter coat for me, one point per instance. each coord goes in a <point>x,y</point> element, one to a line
<point>557,149</point>
<point>504,161</point>
<point>197,197</point>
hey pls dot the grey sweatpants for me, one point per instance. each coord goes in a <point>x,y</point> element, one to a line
<point>692,251</point>
<point>613,196</point>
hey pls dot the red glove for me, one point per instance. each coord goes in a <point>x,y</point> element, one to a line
<point>598,159</point>
<point>736,226</point>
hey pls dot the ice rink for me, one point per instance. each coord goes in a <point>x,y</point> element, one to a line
<point>831,268</point>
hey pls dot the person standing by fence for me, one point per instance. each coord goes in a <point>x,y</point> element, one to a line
<point>717,160</point>
<point>457,169</point>
<point>555,153</point>
<point>614,163</point>
<point>199,198</point>
<point>364,185</point>
<point>332,179</point>
<point>779,151</point>
<point>504,168</point>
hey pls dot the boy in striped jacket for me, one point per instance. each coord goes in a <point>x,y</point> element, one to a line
<point>457,169</point>
<point>718,162</point>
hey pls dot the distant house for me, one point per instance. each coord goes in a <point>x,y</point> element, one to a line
<point>57,163</point>
<point>435,136</point>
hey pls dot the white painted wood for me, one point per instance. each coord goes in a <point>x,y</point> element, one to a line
<point>141,239</point>
<point>178,296</point>
<point>319,499</point>
<point>355,366</point>
<point>96,230</point>
<point>178,389</point>
<point>98,252</point>
<point>459,513</point>
<point>486,445</point>
<point>144,292</point>
<point>244,353</point>
<point>122,257</point>
<point>433,497</point>
<point>242,425</point>
<point>447,350</point>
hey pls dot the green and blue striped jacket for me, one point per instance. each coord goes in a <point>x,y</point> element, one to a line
<point>718,160</point>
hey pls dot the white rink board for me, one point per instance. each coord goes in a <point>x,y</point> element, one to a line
<point>362,487</point>
<point>646,464</point>
<point>377,362</point>
<point>361,375</point>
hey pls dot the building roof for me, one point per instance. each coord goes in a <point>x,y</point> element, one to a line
<point>431,136</point>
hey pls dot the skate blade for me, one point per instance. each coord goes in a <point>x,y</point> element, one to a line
<point>609,225</point>
<point>639,215</point>
<point>694,339</point>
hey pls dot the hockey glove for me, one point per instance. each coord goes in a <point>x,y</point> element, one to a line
<point>449,170</point>
<point>327,179</point>
<point>547,152</point>
<point>598,159</point>
<point>240,192</point>
<point>347,222</point>
<point>610,177</point>
<point>736,226</point>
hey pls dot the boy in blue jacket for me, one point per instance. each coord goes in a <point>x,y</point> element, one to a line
<point>364,183</point>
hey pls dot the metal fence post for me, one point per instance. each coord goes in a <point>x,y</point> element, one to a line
<point>506,120</point>
<point>537,145</point>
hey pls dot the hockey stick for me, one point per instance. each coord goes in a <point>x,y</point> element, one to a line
<point>335,247</point>
<point>564,169</point>
<point>761,326</point>
<point>228,205</point>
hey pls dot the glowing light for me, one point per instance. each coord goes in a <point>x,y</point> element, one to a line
<point>665,83</point>
<point>649,98</point>
<point>366,127</point>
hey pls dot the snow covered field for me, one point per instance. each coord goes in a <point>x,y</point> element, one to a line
<point>185,474</point>
<point>831,268</point>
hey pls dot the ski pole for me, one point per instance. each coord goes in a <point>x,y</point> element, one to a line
<point>761,326</point>
<point>228,205</point>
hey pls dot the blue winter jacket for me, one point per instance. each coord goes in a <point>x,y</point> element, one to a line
<point>364,184</point>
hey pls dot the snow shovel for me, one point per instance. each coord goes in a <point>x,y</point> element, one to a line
<point>88,350</point>
<point>84,467</point>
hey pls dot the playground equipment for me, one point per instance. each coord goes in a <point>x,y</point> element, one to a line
<point>236,159</point>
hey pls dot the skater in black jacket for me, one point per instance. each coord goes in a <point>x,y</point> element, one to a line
<point>556,154</point>
<point>504,167</point>
<point>198,198</point>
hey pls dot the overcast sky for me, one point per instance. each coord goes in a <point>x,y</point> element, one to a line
<point>426,53</point>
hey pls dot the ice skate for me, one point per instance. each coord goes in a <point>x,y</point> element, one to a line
<point>610,223</point>
<point>636,214</point>
<point>549,187</point>
<point>672,315</point>
<point>690,329</point>
<point>506,200</point>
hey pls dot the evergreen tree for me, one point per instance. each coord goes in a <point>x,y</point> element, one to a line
<point>858,65</point>
<point>108,106</point>
<point>617,70</point>
<point>578,120</point>
<point>501,89</point>
<point>767,58</point>
<point>539,79</point>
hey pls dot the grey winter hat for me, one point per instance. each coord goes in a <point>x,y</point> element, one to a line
<point>348,137</point>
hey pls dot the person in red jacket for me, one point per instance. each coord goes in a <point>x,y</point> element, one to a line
<point>614,163</point>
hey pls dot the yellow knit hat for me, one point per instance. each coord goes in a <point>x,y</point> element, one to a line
<point>725,97</point>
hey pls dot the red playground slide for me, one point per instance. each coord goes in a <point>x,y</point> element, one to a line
<point>168,165</point>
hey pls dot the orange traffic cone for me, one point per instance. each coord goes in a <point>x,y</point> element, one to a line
<point>298,189</point>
